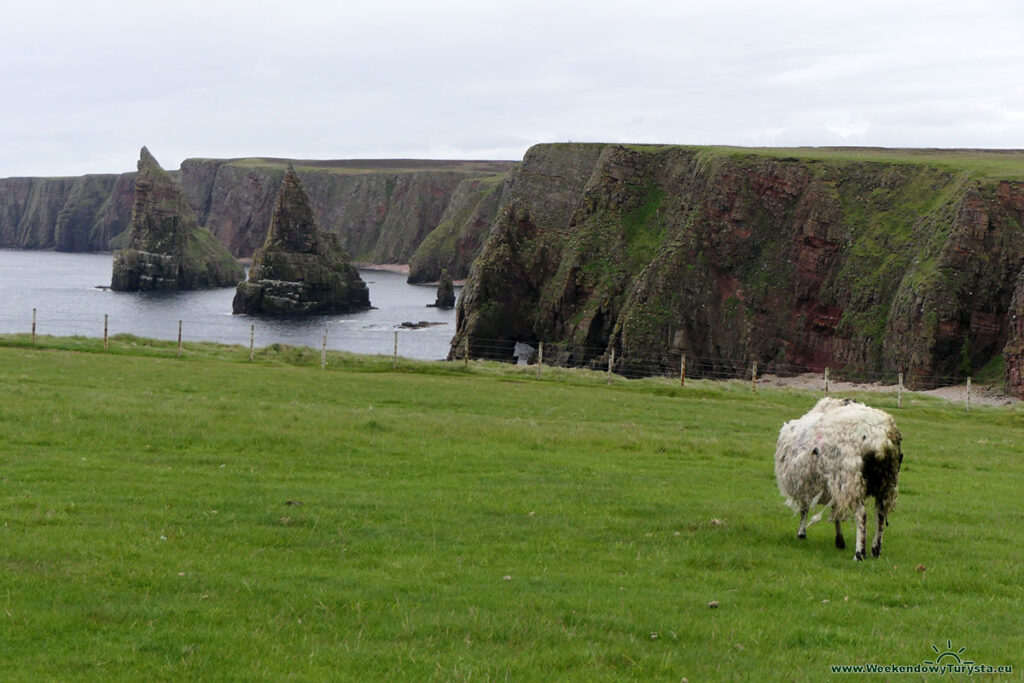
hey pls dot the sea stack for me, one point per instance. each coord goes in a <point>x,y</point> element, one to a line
<point>445,291</point>
<point>299,269</point>
<point>167,249</point>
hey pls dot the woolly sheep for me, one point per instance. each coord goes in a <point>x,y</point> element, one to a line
<point>841,452</point>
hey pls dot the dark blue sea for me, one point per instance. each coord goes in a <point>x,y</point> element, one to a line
<point>67,292</point>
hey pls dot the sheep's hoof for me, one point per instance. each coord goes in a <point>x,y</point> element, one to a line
<point>840,542</point>
<point>875,552</point>
<point>801,535</point>
<point>858,556</point>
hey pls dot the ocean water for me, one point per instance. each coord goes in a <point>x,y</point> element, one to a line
<point>66,291</point>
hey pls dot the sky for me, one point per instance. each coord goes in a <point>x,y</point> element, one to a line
<point>83,85</point>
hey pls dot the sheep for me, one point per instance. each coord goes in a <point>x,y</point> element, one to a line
<point>841,451</point>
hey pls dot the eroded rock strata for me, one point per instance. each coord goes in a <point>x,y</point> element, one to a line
<point>1011,201</point>
<point>382,210</point>
<point>731,257</point>
<point>460,234</point>
<point>299,269</point>
<point>167,249</point>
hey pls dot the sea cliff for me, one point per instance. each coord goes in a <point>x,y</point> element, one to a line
<point>878,261</point>
<point>380,210</point>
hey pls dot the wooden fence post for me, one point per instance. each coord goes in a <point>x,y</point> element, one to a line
<point>323,351</point>
<point>826,381</point>
<point>899,392</point>
<point>394,356</point>
<point>465,358</point>
<point>540,357</point>
<point>611,362</point>
<point>252,341</point>
<point>753,377</point>
<point>33,326</point>
<point>682,370</point>
<point>967,396</point>
<point>179,339</point>
<point>105,316</point>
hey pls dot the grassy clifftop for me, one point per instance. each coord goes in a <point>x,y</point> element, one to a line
<point>994,164</point>
<point>374,165</point>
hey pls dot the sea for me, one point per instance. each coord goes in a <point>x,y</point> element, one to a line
<point>70,294</point>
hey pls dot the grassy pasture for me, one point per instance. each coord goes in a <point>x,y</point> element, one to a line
<point>208,518</point>
<point>992,164</point>
<point>361,166</point>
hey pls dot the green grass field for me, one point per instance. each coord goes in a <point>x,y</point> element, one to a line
<point>210,518</point>
<point>992,164</point>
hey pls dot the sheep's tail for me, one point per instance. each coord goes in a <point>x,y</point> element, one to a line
<point>817,518</point>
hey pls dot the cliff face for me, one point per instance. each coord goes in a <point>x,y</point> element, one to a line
<point>460,234</point>
<point>1011,200</point>
<point>235,203</point>
<point>381,211</point>
<point>66,214</point>
<point>29,208</point>
<point>112,225</point>
<point>732,257</point>
<point>379,215</point>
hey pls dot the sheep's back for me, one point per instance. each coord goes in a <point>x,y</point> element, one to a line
<point>845,438</point>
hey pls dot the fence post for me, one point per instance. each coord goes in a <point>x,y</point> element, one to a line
<point>465,358</point>
<point>105,315</point>
<point>611,362</point>
<point>826,381</point>
<point>394,357</point>
<point>967,396</point>
<point>753,377</point>
<point>33,326</point>
<point>899,392</point>
<point>540,357</point>
<point>252,341</point>
<point>682,370</point>
<point>179,339</point>
<point>323,351</point>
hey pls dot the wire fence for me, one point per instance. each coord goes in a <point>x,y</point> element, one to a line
<point>418,340</point>
<point>434,342</point>
<point>673,365</point>
<point>680,367</point>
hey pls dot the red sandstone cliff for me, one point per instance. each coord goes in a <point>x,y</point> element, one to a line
<point>733,257</point>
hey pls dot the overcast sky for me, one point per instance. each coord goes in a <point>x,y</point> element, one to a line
<point>84,84</point>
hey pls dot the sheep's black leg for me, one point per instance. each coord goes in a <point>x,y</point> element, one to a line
<point>876,545</point>
<point>862,522</point>
<point>840,541</point>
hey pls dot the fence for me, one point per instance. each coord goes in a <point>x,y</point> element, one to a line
<point>396,341</point>
<point>681,367</point>
<point>344,333</point>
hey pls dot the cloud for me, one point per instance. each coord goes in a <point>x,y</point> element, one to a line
<point>86,84</point>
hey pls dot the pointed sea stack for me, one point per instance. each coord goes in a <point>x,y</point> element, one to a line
<point>299,269</point>
<point>167,249</point>
<point>445,291</point>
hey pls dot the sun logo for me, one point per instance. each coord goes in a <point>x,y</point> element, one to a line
<point>947,654</point>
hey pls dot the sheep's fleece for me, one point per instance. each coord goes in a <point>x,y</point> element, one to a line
<point>837,454</point>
